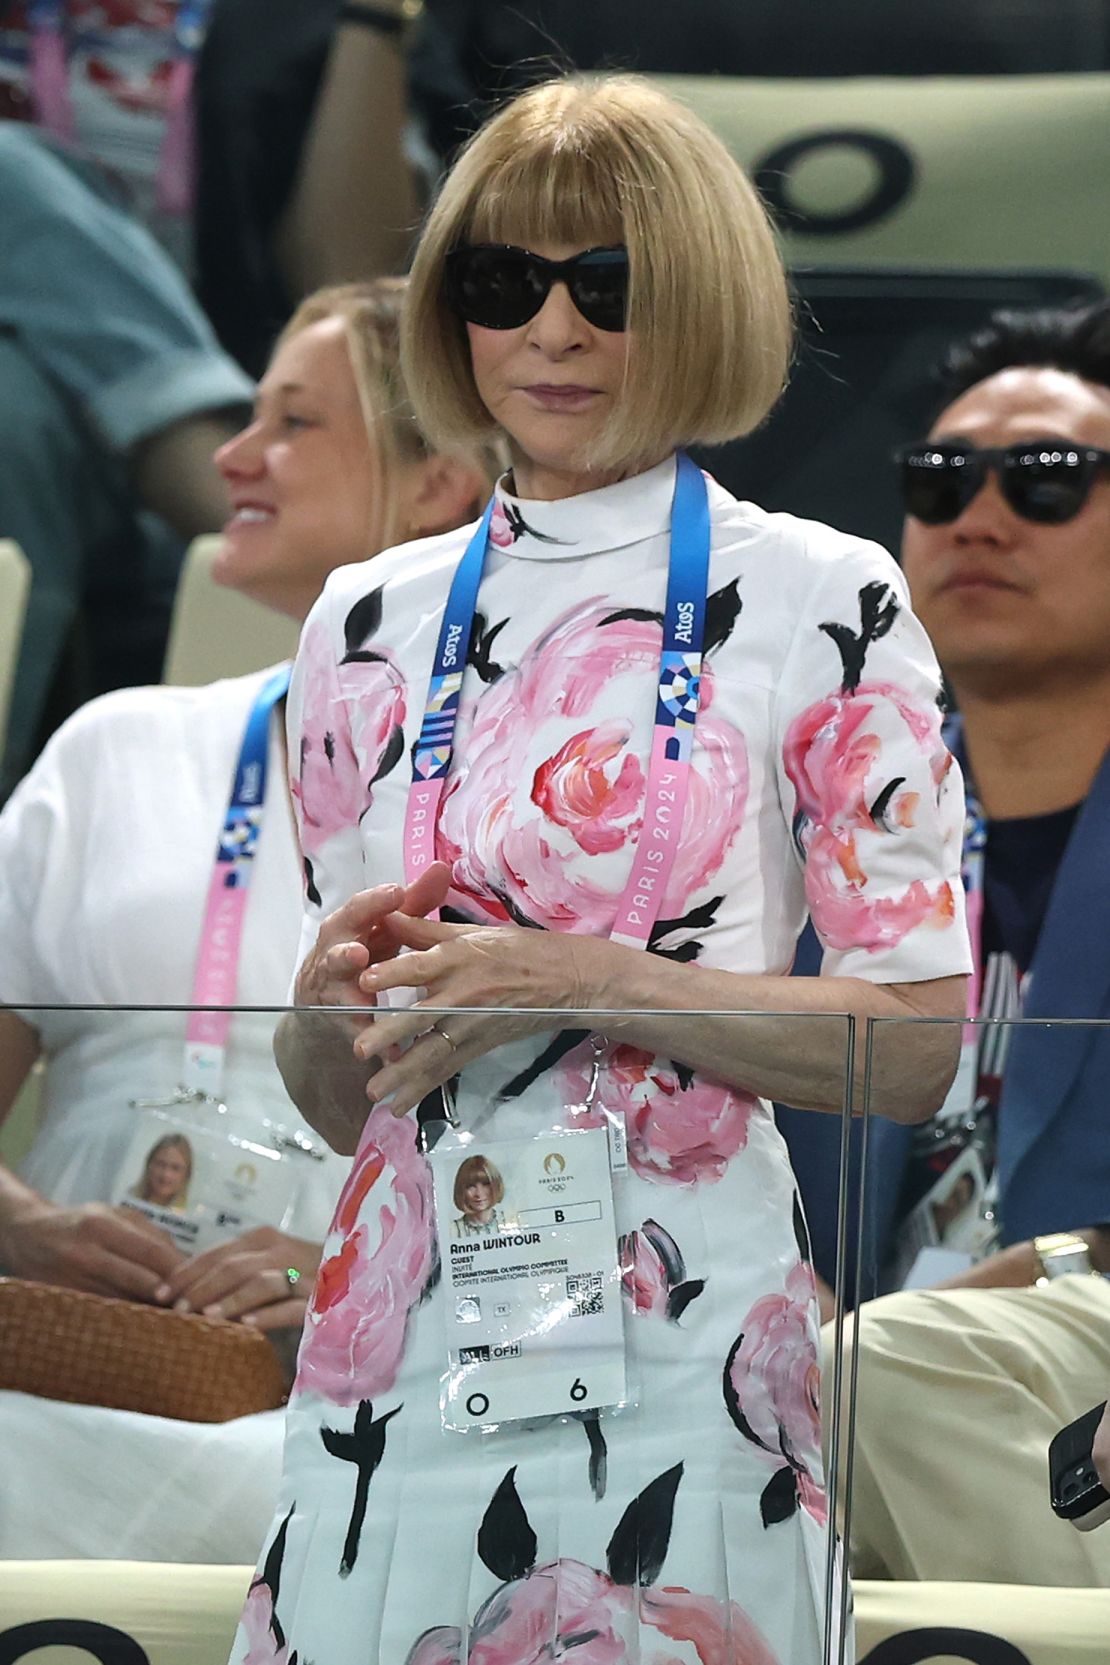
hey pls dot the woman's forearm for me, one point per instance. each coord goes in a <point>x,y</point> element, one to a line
<point>794,1046</point>
<point>354,203</point>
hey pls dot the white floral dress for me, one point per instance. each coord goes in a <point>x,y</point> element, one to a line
<point>692,1528</point>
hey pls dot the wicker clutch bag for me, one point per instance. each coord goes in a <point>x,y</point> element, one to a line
<point>90,1350</point>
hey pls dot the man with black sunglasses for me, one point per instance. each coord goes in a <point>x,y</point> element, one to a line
<point>966,1374</point>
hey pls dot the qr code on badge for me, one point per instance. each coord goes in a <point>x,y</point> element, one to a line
<point>587,1291</point>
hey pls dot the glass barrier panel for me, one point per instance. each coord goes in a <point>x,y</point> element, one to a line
<point>981,1331</point>
<point>555,1297</point>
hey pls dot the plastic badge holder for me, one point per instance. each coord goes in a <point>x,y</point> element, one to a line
<point>535,1319</point>
<point>226,1182</point>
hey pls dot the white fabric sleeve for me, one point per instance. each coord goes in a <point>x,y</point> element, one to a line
<point>324,776</point>
<point>42,874</point>
<point>873,799</point>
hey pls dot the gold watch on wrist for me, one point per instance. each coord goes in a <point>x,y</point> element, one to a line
<point>1061,1252</point>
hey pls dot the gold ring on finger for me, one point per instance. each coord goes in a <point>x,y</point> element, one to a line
<point>444,1036</point>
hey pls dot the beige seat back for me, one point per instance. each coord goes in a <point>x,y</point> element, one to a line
<point>15,585</point>
<point>997,172</point>
<point>216,632</point>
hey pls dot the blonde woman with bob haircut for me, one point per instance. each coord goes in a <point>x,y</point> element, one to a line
<point>638,715</point>
<point>478,1193</point>
<point>330,465</point>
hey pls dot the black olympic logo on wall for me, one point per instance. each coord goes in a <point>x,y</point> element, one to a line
<point>917,1647</point>
<point>897,175</point>
<point>104,1642</point>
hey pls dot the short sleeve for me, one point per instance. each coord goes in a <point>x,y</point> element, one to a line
<point>99,306</point>
<point>872,797</point>
<point>324,777</point>
<point>41,839</point>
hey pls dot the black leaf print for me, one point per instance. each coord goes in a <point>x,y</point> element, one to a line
<point>431,1116</point>
<point>732,1403</point>
<point>722,609</point>
<point>518,526</point>
<point>452,916</point>
<point>391,756</point>
<point>797,827</point>
<point>667,1249</point>
<point>684,954</point>
<point>364,656</point>
<point>481,645</point>
<point>455,916</point>
<point>310,885</point>
<point>878,609</point>
<point>681,1296</point>
<point>329,747</point>
<point>779,1498</point>
<point>545,1060</point>
<point>698,919</point>
<point>363,620</point>
<point>683,1074</point>
<point>801,1233</point>
<point>270,1575</point>
<point>599,1455</point>
<point>634,615</point>
<point>639,1545</point>
<point>506,1542</point>
<point>879,808</point>
<point>364,1447</point>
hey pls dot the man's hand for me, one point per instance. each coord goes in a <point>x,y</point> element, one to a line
<point>247,1279</point>
<point>102,1250</point>
<point>1017,1266</point>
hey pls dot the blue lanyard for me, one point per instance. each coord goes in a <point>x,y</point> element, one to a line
<point>676,706</point>
<point>242,820</point>
<point>683,621</point>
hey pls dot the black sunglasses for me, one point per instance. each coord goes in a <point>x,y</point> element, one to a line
<point>1046,480</point>
<point>501,287</point>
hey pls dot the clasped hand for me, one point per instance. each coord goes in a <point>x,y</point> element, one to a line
<point>119,1252</point>
<point>501,967</point>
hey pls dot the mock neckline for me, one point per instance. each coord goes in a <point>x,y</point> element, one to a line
<point>593,521</point>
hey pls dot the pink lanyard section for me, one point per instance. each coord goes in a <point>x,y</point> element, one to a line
<point>677,702</point>
<point>216,979</point>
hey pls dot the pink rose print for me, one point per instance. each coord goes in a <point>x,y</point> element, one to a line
<point>574,788</point>
<point>265,1638</point>
<point>721,1632</point>
<point>835,764</point>
<point>772,1393</point>
<point>682,1129</point>
<point>257,1622</point>
<point>341,757</point>
<point>378,1258</point>
<point>540,781</point>
<point>501,533</point>
<point>834,761</point>
<point>653,1273</point>
<point>567,1610</point>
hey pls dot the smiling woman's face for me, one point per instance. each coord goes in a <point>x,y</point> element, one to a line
<point>1005,598</point>
<point>551,384</point>
<point>167,1172</point>
<point>302,476</point>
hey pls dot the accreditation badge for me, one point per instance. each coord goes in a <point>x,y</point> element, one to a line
<point>528,1245</point>
<point>202,1182</point>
